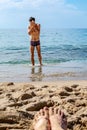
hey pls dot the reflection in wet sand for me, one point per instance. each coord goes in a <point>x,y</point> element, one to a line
<point>36,74</point>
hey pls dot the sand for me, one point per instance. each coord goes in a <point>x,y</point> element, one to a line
<point>20,101</point>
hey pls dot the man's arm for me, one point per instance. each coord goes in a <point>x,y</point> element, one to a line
<point>38,27</point>
<point>30,30</point>
<point>34,28</point>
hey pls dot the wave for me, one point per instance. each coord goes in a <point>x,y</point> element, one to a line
<point>15,62</point>
<point>45,62</point>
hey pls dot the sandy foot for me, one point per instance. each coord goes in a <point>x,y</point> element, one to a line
<point>42,120</point>
<point>57,119</point>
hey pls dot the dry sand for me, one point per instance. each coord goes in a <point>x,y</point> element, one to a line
<point>20,101</point>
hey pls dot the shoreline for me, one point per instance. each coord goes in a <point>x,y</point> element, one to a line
<point>20,101</point>
<point>27,73</point>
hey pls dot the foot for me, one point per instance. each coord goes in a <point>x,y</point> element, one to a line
<point>42,120</point>
<point>58,120</point>
<point>41,64</point>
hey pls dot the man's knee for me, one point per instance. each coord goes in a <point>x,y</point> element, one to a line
<point>39,55</point>
<point>32,56</point>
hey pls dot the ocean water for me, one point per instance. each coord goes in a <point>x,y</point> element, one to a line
<point>63,51</point>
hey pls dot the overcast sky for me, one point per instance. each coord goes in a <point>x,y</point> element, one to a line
<point>49,13</point>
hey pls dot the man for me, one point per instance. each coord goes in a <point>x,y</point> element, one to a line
<point>34,32</point>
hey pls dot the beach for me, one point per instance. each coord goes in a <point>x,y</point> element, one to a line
<point>64,55</point>
<point>60,82</point>
<point>43,65</point>
<point>19,102</point>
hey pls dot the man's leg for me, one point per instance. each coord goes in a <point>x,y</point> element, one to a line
<point>32,54</point>
<point>39,54</point>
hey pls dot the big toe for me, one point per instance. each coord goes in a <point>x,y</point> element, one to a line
<point>51,111</point>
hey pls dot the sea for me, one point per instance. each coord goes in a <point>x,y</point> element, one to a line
<point>64,55</point>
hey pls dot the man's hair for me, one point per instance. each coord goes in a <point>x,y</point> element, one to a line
<point>31,19</point>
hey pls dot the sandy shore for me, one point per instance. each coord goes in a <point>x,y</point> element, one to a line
<point>20,101</point>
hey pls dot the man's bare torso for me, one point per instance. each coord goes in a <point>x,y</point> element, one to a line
<point>34,32</point>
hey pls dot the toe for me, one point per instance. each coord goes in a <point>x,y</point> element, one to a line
<point>51,111</point>
<point>46,108</point>
<point>42,112</point>
<point>64,118</point>
<point>46,111</point>
<point>62,114</point>
<point>37,116</point>
<point>59,112</point>
<point>56,111</point>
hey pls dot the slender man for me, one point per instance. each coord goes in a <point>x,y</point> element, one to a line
<point>34,32</point>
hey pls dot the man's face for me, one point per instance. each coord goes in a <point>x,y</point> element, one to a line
<point>32,22</point>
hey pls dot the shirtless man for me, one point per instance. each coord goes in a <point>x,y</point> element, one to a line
<point>34,32</point>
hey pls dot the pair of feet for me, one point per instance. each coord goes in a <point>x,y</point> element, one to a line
<point>50,119</point>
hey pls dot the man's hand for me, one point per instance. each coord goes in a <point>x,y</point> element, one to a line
<point>37,26</point>
<point>33,28</point>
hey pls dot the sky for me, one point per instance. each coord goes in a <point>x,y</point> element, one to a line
<point>49,13</point>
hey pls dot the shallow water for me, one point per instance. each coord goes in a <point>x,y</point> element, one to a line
<point>64,53</point>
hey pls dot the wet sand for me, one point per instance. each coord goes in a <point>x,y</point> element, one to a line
<point>27,73</point>
<point>20,101</point>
